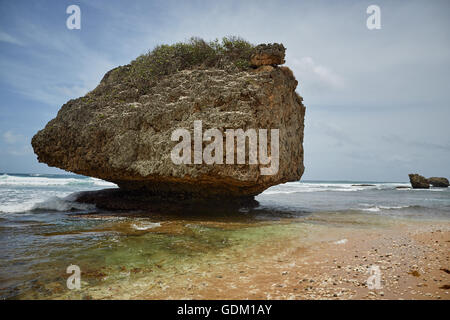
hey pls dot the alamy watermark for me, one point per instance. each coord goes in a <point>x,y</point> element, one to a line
<point>374,20</point>
<point>74,20</point>
<point>74,281</point>
<point>213,153</point>
<point>374,279</point>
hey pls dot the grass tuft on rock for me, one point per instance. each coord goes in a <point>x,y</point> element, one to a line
<point>168,59</point>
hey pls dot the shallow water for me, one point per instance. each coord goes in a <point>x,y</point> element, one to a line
<point>42,231</point>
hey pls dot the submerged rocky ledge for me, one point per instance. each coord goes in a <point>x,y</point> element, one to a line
<point>123,130</point>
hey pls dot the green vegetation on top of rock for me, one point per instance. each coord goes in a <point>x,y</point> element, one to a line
<point>230,53</point>
<point>167,59</point>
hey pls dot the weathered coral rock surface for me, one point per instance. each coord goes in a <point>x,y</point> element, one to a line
<point>418,181</point>
<point>268,54</point>
<point>121,131</point>
<point>439,182</point>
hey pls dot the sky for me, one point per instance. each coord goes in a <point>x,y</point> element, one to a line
<point>377,100</point>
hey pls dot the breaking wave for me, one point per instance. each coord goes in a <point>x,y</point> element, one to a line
<point>51,204</point>
<point>379,208</point>
<point>296,187</point>
<point>42,181</point>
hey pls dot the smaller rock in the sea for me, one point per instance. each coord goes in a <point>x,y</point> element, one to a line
<point>438,182</point>
<point>418,181</point>
<point>268,54</point>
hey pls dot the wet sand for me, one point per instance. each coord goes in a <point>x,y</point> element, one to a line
<point>314,260</point>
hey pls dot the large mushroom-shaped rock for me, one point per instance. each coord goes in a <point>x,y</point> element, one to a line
<point>438,182</point>
<point>122,130</point>
<point>418,181</point>
<point>268,54</point>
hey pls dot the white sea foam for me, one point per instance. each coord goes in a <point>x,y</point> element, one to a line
<point>36,192</point>
<point>295,187</point>
<point>342,241</point>
<point>145,225</point>
<point>58,204</point>
<point>15,207</point>
<point>52,203</point>
<point>374,209</point>
<point>36,181</point>
<point>379,208</point>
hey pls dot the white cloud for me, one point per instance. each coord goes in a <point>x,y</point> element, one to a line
<point>4,37</point>
<point>308,69</point>
<point>18,144</point>
<point>21,151</point>
<point>72,68</point>
<point>72,91</point>
<point>11,138</point>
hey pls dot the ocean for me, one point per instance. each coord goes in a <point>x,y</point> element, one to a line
<point>43,231</point>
